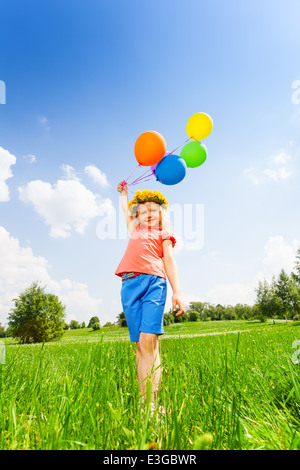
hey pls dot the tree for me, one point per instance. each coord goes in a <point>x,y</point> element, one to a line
<point>92,321</point>
<point>74,325</point>
<point>243,311</point>
<point>2,331</point>
<point>96,326</point>
<point>181,319</point>
<point>193,315</point>
<point>202,308</point>
<point>121,320</point>
<point>296,275</point>
<point>264,300</point>
<point>37,316</point>
<point>284,291</point>
<point>168,318</point>
<point>219,312</point>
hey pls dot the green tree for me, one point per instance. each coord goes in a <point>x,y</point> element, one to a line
<point>168,318</point>
<point>92,321</point>
<point>74,325</point>
<point>229,313</point>
<point>37,316</point>
<point>96,326</point>
<point>243,311</point>
<point>202,308</point>
<point>121,320</point>
<point>296,275</point>
<point>2,331</point>
<point>219,312</point>
<point>183,318</point>
<point>284,291</point>
<point>265,301</point>
<point>193,315</point>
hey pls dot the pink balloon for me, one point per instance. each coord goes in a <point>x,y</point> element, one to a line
<point>153,168</point>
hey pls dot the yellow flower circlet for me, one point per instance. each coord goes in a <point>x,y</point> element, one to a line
<point>148,196</point>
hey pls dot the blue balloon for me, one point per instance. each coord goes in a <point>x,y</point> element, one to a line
<point>171,169</point>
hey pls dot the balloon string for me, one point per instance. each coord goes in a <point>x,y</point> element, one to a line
<point>147,179</point>
<point>145,175</point>
<point>140,177</point>
<point>132,172</point>
<point>178,147</point>
<point>193,138</point>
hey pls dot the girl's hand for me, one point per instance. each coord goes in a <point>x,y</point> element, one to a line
<point>122,188</point>
<point>177,300</point>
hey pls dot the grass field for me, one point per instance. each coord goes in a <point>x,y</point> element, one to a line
<point>226,385</point>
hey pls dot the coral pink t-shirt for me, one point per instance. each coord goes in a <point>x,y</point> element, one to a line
<point>144,252</point>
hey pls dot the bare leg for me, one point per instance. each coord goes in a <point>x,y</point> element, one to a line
<point>148,364</point>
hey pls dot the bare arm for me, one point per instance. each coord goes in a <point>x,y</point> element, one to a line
<point>172,273</point>
<point>124,197</point>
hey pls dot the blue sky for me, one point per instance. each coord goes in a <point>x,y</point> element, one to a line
<point>84,79</point>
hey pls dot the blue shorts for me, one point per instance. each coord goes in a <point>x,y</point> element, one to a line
<point>143,299</point>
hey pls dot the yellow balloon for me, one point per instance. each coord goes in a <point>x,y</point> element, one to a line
<point>199,126</point>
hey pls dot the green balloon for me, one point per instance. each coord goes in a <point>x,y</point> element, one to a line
<point>194,154</point>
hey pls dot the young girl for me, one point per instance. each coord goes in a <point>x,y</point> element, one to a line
<point>147,260</point>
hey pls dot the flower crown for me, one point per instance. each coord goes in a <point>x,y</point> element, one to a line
<point>148,196</point>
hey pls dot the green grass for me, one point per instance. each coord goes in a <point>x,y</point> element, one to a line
<point>226,385</point>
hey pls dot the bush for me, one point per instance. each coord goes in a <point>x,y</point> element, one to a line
<point>193,315</point>
<point>92,321</point>
<point>74,325</point>
<point>37,316</point>
<point>96,326</point>
<point>121,320</point>
<point>168,318</point>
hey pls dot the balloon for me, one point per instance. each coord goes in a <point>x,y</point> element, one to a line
<point>170,170</point>
<point>153,168</point>
<point>149,148</point>
<point>194,154</point>
<point>199,126</point>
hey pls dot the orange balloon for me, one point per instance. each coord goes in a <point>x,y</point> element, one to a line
<point>150,147</point>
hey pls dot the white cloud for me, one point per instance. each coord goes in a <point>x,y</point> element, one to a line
<point>96,175</point>
<point>81,306</point>
<point>285,171</point>
<point>253,175</point>
<point>278,255</point>
<point>44,122</point>
<point>69,172</point>
<point>68,205</point>
<point>281,158</point>
<point>30,158</point>
<point>6,161</point>
<point>231,294</point>
<point>19,267</point>
<point>279,174</point>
